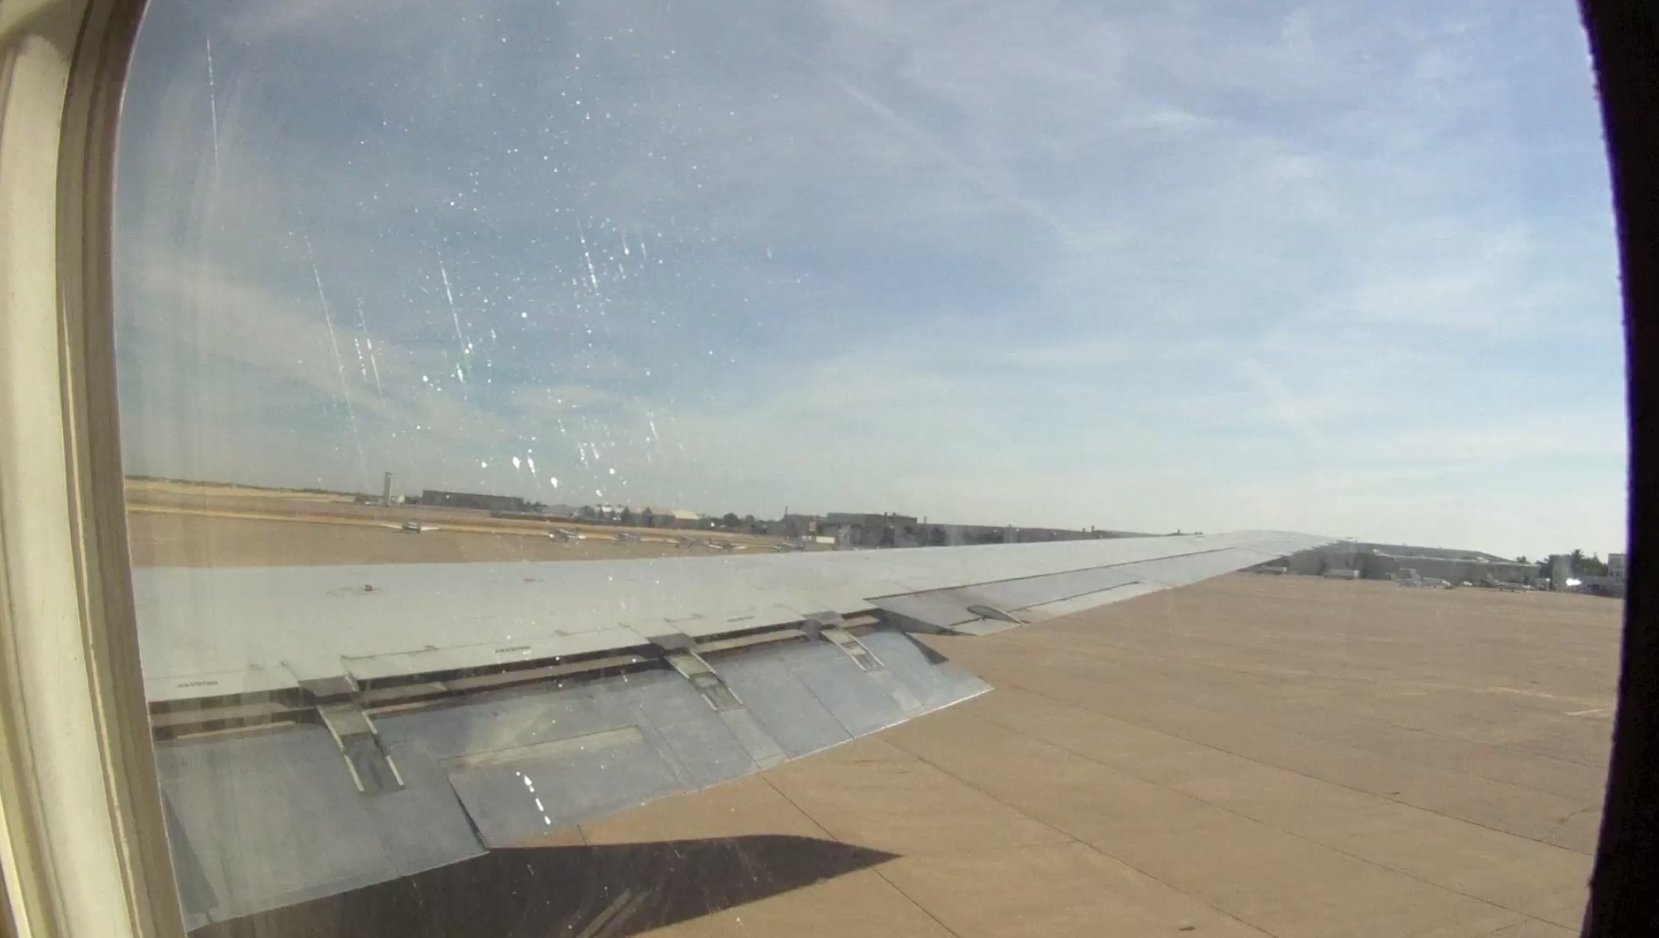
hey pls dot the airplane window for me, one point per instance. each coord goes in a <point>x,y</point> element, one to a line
<point>931,468</point>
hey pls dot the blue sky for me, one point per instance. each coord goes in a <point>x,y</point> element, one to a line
<point>1341,267</point>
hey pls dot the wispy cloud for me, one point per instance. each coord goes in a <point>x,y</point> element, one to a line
<point>1332,267</point>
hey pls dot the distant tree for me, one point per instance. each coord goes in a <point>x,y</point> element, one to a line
<point>1522,559</point>
<point>936,536</point>
<point>627,516</point>
<point>1575,560</point>
<point>586,511</point>
<point>730,520</point>
<point>1593,565</point>
<point>647,518</point>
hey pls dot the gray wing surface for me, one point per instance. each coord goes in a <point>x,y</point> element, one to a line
<point>324,728</point>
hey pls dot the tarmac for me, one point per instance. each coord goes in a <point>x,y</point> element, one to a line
<point>1253,755</point>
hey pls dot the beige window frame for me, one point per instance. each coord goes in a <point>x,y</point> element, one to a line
<point>82,836</point>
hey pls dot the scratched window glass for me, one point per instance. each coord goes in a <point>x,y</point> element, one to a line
<point>598,466</point>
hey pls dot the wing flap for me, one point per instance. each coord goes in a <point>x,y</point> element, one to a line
<point>273,819</point>
<point>493,769</point>
<point>527,791</point>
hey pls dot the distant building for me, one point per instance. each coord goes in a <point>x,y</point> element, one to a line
<point>1388,561</point>
<point>870,519</point>
<point>437,499</point>
<point>1612,584</point>
<point>796,525</point>
<point>867,529</point>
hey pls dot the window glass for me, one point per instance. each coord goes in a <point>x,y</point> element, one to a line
<point>533,414</point>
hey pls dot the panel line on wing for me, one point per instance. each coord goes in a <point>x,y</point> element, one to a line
<point>588,742</point>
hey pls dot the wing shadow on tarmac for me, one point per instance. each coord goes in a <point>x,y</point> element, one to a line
<point>564,892</point>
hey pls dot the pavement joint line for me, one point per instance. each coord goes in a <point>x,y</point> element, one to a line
<point>1095,636</point>
<point>1303,837</point>
<point>876,869</point>
<point>1084,651</point>
<point>1563,822</point>
<point>1336,738</point>
<point>1065,838</point>
<point>1342,742</point>
<point>1282,676</point>
<point>1070,838</point>
<point>1198,742</point>
<point>767,776</point>
<point>910,899</point>
<point>1489,934</point>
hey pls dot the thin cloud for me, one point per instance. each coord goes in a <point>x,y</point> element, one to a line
<point>1327,267</point>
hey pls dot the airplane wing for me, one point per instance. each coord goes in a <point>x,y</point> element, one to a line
<point>324,728</point>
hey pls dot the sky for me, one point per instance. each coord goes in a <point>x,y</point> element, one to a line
<point>1345,268</point>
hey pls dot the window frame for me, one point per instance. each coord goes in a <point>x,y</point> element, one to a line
<point>83,847</point>
<point>82,832</point>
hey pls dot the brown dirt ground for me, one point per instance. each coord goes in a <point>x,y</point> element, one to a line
<point>177,525</point>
